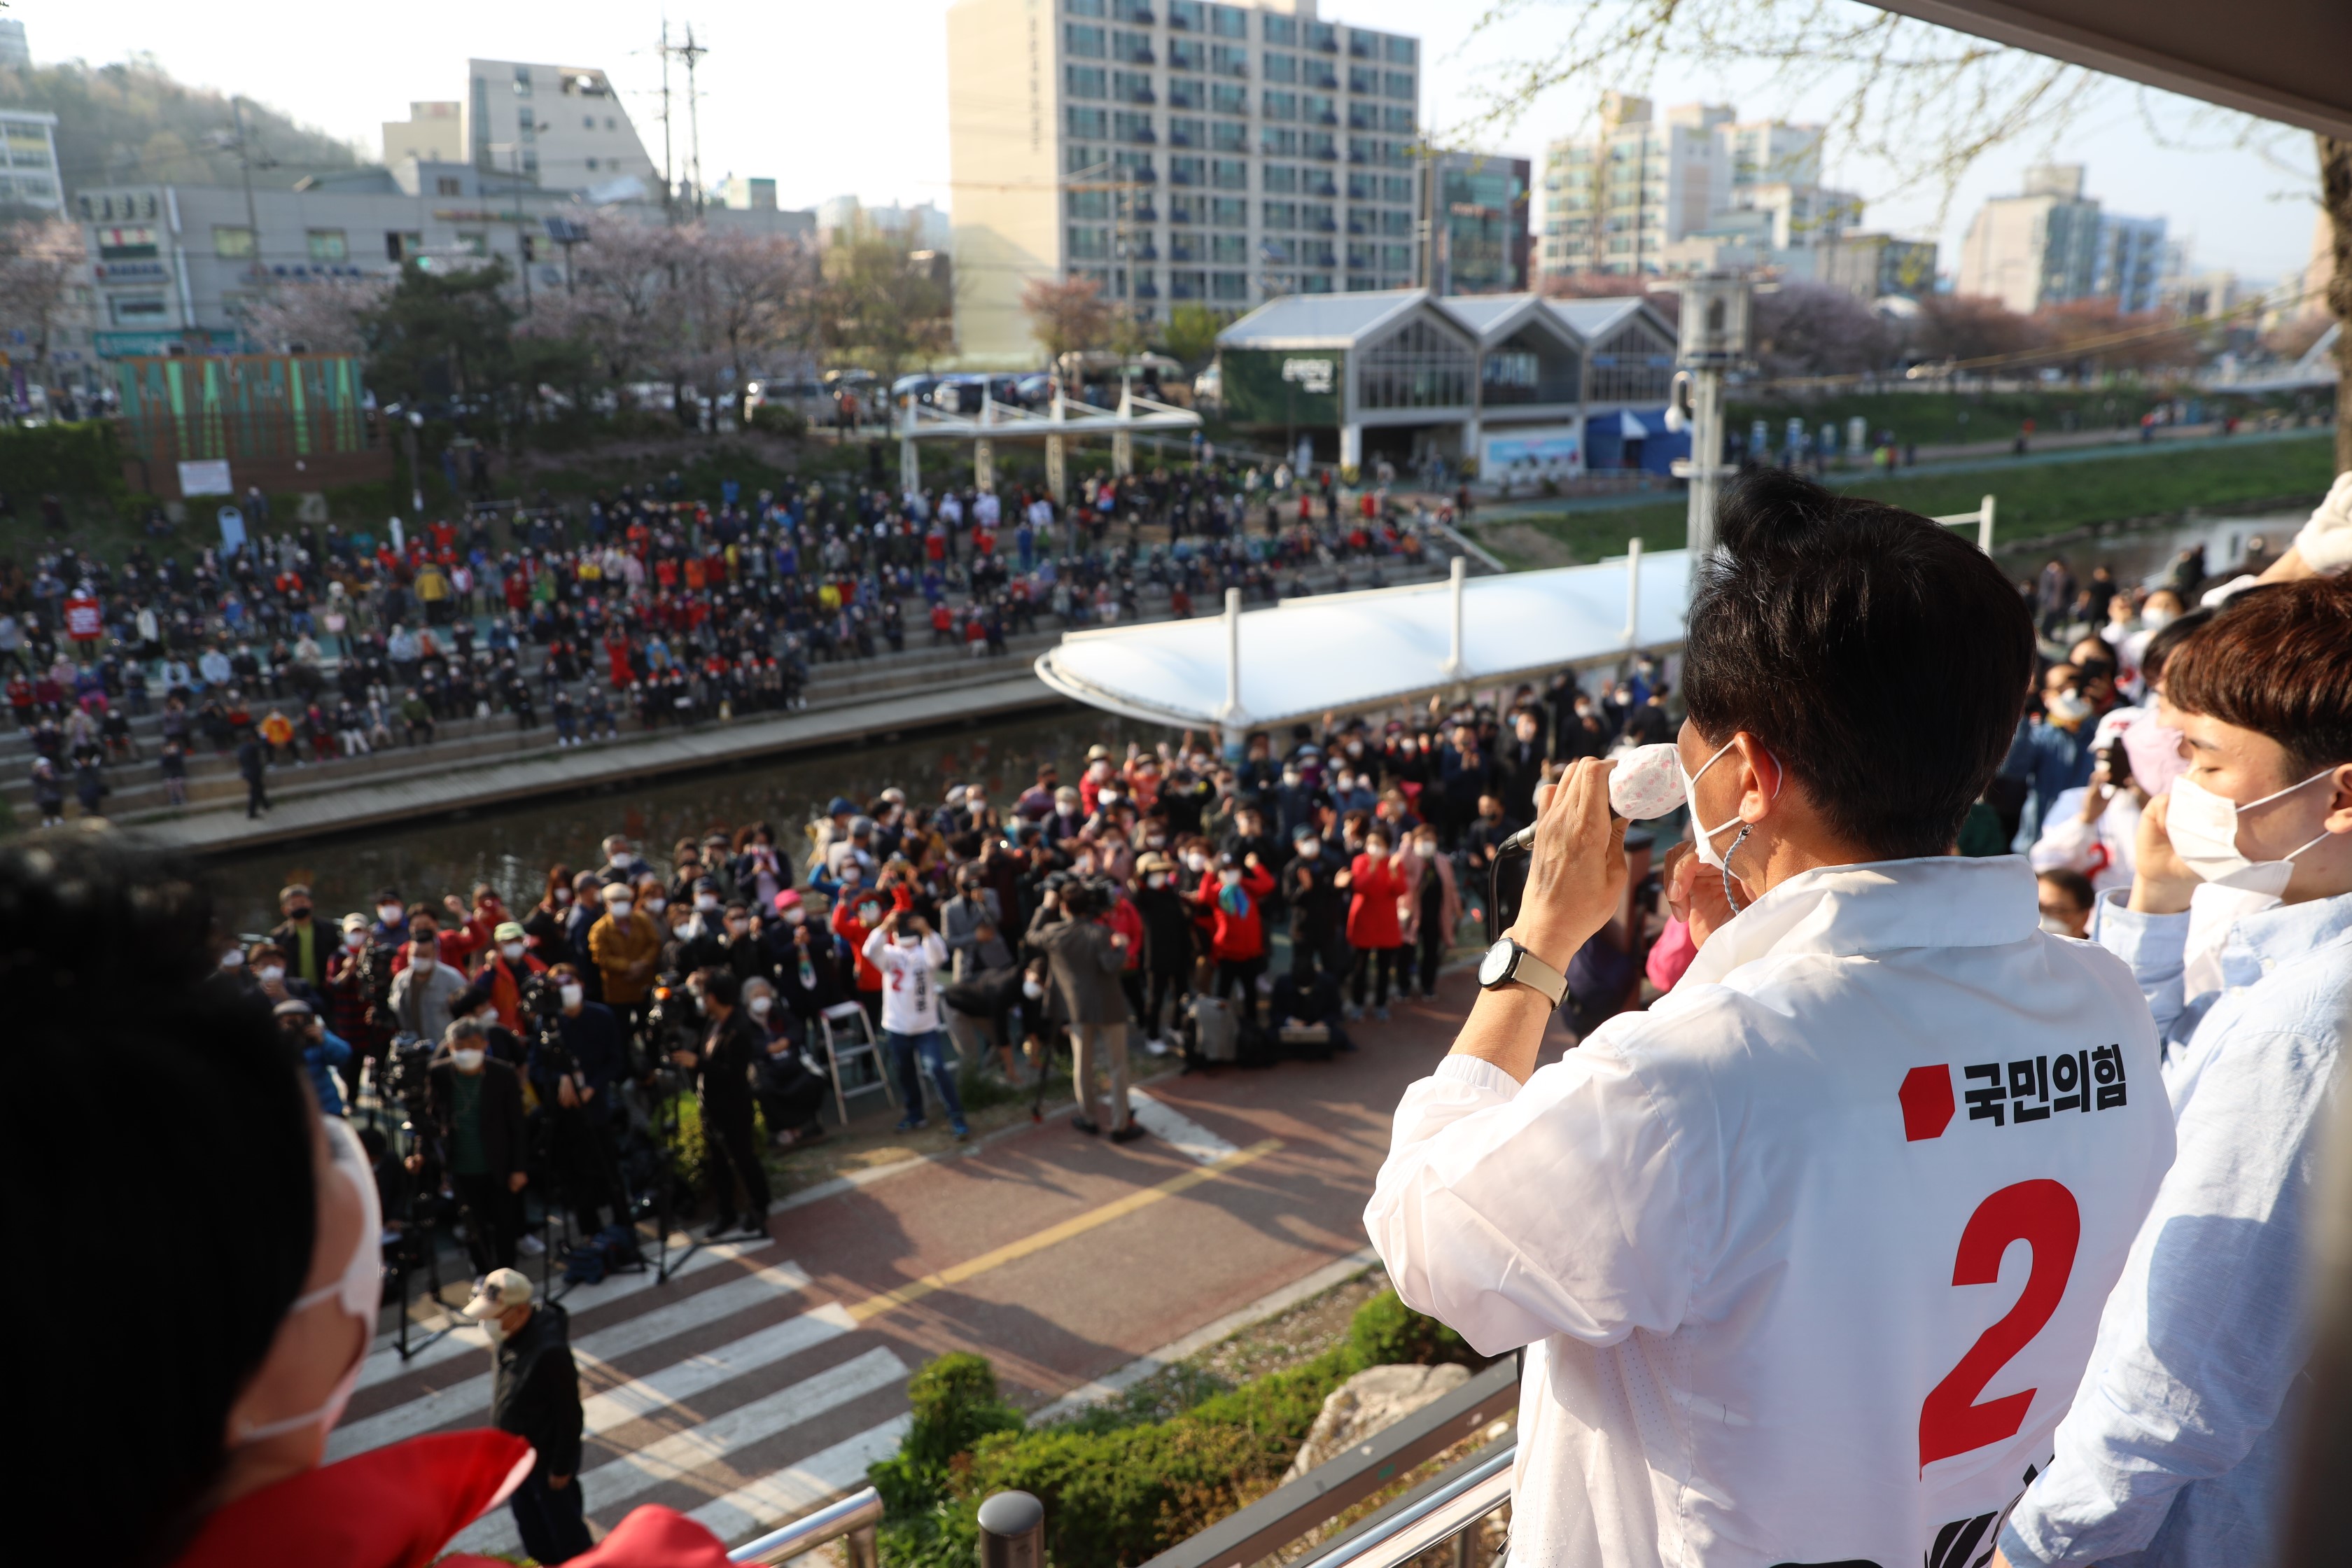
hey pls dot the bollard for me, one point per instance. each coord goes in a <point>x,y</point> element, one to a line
<point>1011,1531</point>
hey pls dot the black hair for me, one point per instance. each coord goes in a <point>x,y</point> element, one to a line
<point>133,1068</point>
<point>2076,885</point>
<point>2167,637</point>
<point>721,986</point>
<point>469,1001</point>
<point>1881,659</point>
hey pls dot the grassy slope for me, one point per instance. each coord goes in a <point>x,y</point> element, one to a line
<point>2034,502</point>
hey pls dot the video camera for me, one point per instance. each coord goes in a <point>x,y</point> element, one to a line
<point>408,1077</point>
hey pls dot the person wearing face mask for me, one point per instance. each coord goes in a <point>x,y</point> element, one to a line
<point>2065,898</point>
<point>1168,947</point>
<point>858,916</point>
<point>506,970</point>
<point>1314,884</point>
<point>1230,894</point>
<point>1781,1168</point>
<point>1432,910</point>
<point>622,863</point>
<point>1085,959</point>
<point>546,925</point>
<point>2238,929</point>
<point>478,1141</point>
<point>791,1094</point>
<point>535,1395</point>
<point>724,1060</point>
<point>391,927</point>
<point>2091,830</point>
<point>2053,752</point>
<point>907,954</point>
<point>577,1077</point>
<point>1374,891</point>
<point>350,998</point>
<point>800,953</point>
<point>623,946</point>
<point>307,945</point>
<point>424,992</point>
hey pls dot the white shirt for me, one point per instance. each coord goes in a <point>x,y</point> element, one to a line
<point>2102,849</point>
<point>910,999</point>
<point>1729,1228</point>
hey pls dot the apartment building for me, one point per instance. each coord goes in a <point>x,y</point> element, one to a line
<point>1477,228</point>
<point>2051,244</point>
<point>29,161</point>
<point>434,132</point>
<point>562,126</point>
<point>1174,151</point>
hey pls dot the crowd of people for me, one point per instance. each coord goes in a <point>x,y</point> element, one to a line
<point>640,607</point>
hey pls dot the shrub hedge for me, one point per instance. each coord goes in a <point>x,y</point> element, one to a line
<point>1117,1493</point>
<point>79,459</point>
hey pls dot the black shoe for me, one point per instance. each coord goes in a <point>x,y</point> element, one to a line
<point>1127,1134</point>
<point>756,1226</point>
<point>1085,1126</point>
<point>718,1227</point>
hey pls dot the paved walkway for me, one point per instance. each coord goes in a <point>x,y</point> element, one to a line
<point>556,773</point>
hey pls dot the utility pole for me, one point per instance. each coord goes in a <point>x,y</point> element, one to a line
<point>692,52</point>
<point>669,181</point>
<point>254,272</point>
<point>1714,333</point>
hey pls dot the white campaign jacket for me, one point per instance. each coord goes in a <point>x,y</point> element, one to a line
<point>1762,1240</point>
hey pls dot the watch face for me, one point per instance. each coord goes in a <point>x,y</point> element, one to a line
<point>1496,965</point>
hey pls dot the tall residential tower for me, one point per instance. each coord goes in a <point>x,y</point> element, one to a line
<point>1173,151</point>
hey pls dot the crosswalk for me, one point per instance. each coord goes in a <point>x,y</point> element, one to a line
<point>740,1402</point>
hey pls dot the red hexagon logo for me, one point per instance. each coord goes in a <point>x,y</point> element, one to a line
<point>1926,1096</point>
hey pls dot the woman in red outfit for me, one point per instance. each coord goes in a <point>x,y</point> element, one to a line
<point>190,1430</point>
<point>1233,892</point>
<point>1372,927</point>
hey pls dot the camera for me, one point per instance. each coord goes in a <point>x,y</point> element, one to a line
<point>409,1080</point>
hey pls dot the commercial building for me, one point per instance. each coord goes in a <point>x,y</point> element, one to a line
<point>29,161</point>
<point>1475,223</point>
<point>562,126</point>
<point>434,133</point>
<point>1174,151</point>
<point>1530,388</point>
<point>919,228</point>
<point>2051,245</point>
<point>1696,191</point>
<point>1872,266</point>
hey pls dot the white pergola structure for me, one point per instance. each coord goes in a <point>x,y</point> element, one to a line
<point>1063,420</point>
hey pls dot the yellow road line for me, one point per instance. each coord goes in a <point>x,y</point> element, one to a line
<point>1078,1225</point>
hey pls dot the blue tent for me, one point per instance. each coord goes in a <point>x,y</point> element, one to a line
<point>1641,433</point>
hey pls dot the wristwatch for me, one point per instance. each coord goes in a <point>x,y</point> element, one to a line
<point>1508,963</point>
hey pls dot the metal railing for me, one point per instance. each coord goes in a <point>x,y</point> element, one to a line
<point>854,1516</point>
<point>1448,1508</point>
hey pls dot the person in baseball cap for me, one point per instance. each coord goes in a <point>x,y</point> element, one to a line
<point>535,1395</point>
<point>500,1291</point>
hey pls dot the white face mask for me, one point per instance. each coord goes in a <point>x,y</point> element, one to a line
<point>1308,848</point>
<point>1230,878</point>
<point>562,895</point>
<point>1377,851</point>
<point>388,914</point>
<point>355,940</point>
<point>2067,707</point>
<point>706,901</point>
<point>1704,837</point>
<point>655,906</point>
<point>511,952</point>
<point>270,973</point>
<point>2055,926</point>
<point>759,1005</point>
<point>1031,989</point>
<point>573,995</point>
<point>1156,879</point>
<point>796,916</point>
<point>619,908</point>
<point>421,963</point>
<point>2155,619</point>
<point>359,1292</point>
<point>1647,781</point>
<point>1196,862</point>
<point>2203,828</point>
<point>469,1059</point>
<point>620,858</point>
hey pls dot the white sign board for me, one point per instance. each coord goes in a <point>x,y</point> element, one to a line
<point>207,476</point>
<point>232,527</point>
<point>1311,375</point>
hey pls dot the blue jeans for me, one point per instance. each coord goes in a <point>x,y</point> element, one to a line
<point>931,1047</point>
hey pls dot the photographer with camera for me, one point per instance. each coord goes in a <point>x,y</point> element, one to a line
<point>576,1059</point>
<point>1726,1228</point>
<point>790,1094</point>
<point>480,1142</point>
<point>722,1061</point>
<point>325,1055</point>
<point>422,997</point>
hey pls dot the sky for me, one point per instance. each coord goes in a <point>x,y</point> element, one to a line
<point>849,97</point>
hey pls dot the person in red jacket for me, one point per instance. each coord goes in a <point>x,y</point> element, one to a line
<point>1376,890</point>
<point>1233,893</point>
<point>857,915</point>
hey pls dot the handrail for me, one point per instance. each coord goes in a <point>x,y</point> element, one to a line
<point>854,1516</point>
<point>1444,1507</point>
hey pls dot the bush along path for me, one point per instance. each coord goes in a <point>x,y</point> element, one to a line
<point>1117,1486</point>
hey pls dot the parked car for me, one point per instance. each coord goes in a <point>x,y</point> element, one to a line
<point>917,386</point>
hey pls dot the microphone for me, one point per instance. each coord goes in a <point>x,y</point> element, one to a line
<point>1647,781</point>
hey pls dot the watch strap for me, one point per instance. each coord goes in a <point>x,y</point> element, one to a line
<point>1529,970</point>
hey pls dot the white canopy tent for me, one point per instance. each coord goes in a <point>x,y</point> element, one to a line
<point>1345,652</point>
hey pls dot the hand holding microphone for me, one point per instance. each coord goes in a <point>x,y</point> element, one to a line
<point>1647,781</point>
<point>1576,871</point>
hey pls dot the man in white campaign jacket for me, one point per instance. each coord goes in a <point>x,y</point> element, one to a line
<point>1809,1257</point>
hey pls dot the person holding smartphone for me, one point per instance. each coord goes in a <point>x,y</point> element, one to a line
<point>1752,1238</point>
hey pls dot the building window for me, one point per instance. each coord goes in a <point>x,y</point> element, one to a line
<point>1188,171</point>
<point>1417,366</point>
<point>329,244</point>
<point>1275,142</point>
<point>1278,214</point>
<point>233,243</point>
<point>1185,132</point>
<point>399,246</point>
<point>1396,187</point>
<point>1093,124</point>
<point>1398,51</point>
<point>447,186</point>
<point>1186,54</point>
<point>591,165</point>
<point>1185,247</point>
<point>1277,30</point>
<point>1183,285</point>
<point>1185,16</point>
<point>1279,105</point>
<point>1314,283</point>
<point>1089,244</point>
<point>1078,160</point>
<point>1396,223</point>
<point>1318,73</point>
<point>1364,116</point>
<point>1185,93</point>
<point>1183,208</point>
<point>1229,286</point>
<point>1229,174</point>
<point>1397,121</point>
<point>1229,249</point>
<point>1229,212</point>
<point>1323,36</point>
<point>1227,136</point>
<point>1086,43</point>
<point>1228,22</point>
<point>1083,8</point>
<point>1131,49</point>
<point>1134,167</point>
<point>1084,82</point>
<point>1396,257</point>
<point>1318,144</point>
<point>1281,67</point>
<point>1363,79</point>
<point>522,81</point>
<point>1127,126</point>
<point>1317,109</point>
<point>1362,258</point>
<point>474,243</point>
<point>1396,84</point>
<point>1280,179</point>
<point>1133,87</point>
<point>1136,11</point>
<point>1087,204</point>
<point>1317,215</point>
<point>1228,98</point>
<point>1228,60</point>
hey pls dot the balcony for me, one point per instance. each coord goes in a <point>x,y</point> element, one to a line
<point>1144,213</point>
<point>1139,95</point>
<point>1142,136</point>
<point>1320,226</point>
<point>1183,177</point>
<point>1145,251</point>
<point>1138,15</point>
<point>1328,117</point>
<point>1137,56</point>
<point>1145,289</point>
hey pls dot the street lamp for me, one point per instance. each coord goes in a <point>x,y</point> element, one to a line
<point>1713,338</point>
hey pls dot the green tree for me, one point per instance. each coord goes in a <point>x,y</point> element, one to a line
<point>443,335</point>
<point>1067,315</point>
<point>883,306</point>
<point>1191,334</point>
<point>133,123</point>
